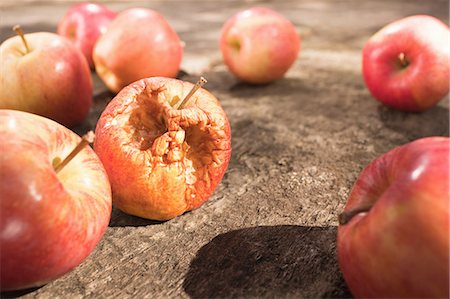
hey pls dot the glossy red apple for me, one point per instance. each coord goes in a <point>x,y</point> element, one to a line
<point>139,43</point>
<point>163,158</point>
<point>52,216</point>
<point>46,75</point>
<point>83,23</point>
<point>393,241</point>
<point>406,65</point>
<point>259,45</point>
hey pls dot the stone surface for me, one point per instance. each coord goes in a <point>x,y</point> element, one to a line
<point>269,230</point>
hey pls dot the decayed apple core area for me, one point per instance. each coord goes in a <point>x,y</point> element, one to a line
<point>163,161</point>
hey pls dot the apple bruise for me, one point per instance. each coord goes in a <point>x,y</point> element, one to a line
<point>184,137</point>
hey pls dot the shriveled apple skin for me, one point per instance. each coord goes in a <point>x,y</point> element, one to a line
<point>161,161</point>
<point>400,248</point>
<point>49,222</point>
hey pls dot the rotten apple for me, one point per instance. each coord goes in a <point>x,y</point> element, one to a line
<point>393,238</point>
<point>165,145</point>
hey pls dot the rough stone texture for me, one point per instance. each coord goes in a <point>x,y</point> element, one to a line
<point>269,230</point>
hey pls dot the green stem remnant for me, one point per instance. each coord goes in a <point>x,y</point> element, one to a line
<point>346,216</point>
<point>19,32</point>
<point>85,140</point>
<point>202,81</point>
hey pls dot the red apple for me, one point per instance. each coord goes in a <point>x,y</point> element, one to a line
<point>139,43</point>
<point>163,158</point>
<point>393,241</point>
<point>46,76</point>
<point>50,221</point>
<point>83,23</point>
<point>259,45</point>
<point>406,64</point>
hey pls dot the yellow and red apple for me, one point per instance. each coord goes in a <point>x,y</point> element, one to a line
<point>139,43</point>
<point>259,45</point>
<point>163,160</point>
<point>52,217</point>
<point>83,23</point>
<point>47,76</point>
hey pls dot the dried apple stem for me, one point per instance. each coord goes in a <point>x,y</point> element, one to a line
<point>346,216</point>
<point>403,60</point>
<point>19,32</point>
<point>202,81</point>
<point>85,140</point>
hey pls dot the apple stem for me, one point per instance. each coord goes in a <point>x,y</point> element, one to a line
<point>19,32</point>
<point>202,81</point>
<point>85,140</point>
<point>346,216</point>
<point>403,60</point>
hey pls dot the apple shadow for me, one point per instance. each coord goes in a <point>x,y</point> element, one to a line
<point>100,101</point>
<point>183,75</point>
<point>433,122</point>
<point>280,87</point>
<point>18,293</point>
<point>121,219</point>
<point>268,262</point>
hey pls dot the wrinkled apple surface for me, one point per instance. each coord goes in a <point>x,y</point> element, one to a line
<point>163,161</point>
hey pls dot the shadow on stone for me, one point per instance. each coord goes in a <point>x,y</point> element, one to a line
<point>18,293</point>
<point>121,219</point>
<point>433,122</point>
<point>273,261</point>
